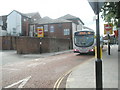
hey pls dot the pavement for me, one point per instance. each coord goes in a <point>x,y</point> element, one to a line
<point>42,55</point>
<point>11,56</point>
<point>84,75</point>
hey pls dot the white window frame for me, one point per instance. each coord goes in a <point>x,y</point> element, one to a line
<point>52,29</point>
<point>45,28</point>
<point>66,32</point>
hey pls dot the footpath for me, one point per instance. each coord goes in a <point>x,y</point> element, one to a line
<point>42,55</point>
<point>84,75</point>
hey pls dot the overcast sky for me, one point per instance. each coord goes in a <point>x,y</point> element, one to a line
<point>53,9</point>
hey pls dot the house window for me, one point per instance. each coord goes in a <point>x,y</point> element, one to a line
<point>45,28</point>
<point>14,30</point>
<point>51,28</point>
<point>66,31</point>
<point>31,27</point>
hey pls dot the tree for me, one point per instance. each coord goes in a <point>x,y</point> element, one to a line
<point>111,12</point>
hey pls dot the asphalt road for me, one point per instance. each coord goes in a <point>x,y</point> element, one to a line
<point>39,72</point>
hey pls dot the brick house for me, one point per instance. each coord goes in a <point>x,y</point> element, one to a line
<point>35,17</point>
<point>56,28</point>
<point>4,18</point>
<point>3,25</point>
<point>18,23</point>
<point>78,22</point>
<point>60,28</point>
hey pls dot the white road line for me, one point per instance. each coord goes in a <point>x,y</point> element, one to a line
<point>13,69</point>
<point>14,84</point>
<point>23,82</point>
<point>35,64</point>
<point>36,59</point>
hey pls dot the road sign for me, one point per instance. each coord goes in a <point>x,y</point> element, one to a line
<point>93,5</point>
<point>40,31</point>
<point>108,28</point>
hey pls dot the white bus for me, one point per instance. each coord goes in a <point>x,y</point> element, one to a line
<point>84,41</point>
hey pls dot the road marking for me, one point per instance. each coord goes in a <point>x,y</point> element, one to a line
<point>55,85</point>
<point>58,82</point>
<point>23,82</point>
<point>36,59</point>
<point>35,64</point>
<point>12,69</point>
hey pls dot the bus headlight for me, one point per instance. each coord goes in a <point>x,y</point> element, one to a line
<point>75,50</point>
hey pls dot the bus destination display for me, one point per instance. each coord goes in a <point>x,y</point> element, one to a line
<point>84,33</point>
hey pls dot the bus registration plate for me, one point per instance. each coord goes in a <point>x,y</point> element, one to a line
<point>84,50</point>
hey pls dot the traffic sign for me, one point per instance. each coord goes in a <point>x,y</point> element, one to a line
<point>40,31</point>
<point>108,28</point>
<point>93,4</point>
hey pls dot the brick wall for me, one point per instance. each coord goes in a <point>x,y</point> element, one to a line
<point>27,45</point>
<point>8,42</point>
<point>57,44</point>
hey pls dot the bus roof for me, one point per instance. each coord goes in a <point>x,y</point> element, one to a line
<point>85,30</point>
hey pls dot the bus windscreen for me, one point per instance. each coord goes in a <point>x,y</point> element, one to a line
<point>84,39</point>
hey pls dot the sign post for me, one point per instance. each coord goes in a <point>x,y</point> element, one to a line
<point>98,63</point>
<point>108,29</point>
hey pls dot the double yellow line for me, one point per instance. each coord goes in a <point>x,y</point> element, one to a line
<point>58,82</point>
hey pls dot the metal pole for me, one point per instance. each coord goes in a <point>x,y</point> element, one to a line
<point>40,45</point>
<point>98,62</point>
<point>108,44</point>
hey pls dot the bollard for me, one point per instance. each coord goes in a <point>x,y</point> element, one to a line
<point>108,44</point>
<point>40,47</point>
<point>98,65</point>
